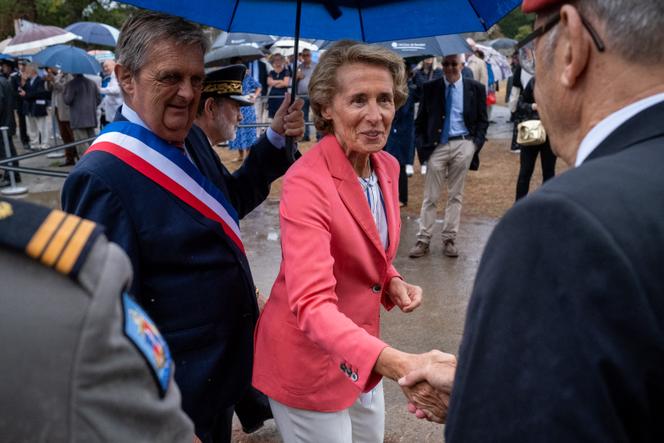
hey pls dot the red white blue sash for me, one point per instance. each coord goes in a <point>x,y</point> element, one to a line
<point>167,166</point>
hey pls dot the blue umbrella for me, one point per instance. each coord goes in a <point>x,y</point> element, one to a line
<point>95,33</point>
<point>68,59</point>
<point>363,20</point>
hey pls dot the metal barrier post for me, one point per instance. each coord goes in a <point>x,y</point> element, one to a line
<point>13,189</point>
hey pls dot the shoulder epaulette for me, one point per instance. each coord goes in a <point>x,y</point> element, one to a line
<point>54,238</point>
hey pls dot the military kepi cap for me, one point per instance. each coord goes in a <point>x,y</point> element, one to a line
<point>227,82</point>
<point>538,5</point>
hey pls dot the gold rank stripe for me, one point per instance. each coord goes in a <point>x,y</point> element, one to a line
<point>74,247</point>
<point>59,240</point>
<point>44,234</point>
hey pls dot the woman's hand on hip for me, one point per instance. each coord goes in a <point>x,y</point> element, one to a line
<point>406,296</point>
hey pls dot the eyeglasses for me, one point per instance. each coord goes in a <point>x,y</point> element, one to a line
<point>526,47</point>
<point>448,64</point>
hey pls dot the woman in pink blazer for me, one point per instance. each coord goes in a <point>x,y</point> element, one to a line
<point>318,352</point>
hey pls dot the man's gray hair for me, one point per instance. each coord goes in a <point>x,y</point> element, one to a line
<point>632,28</point>
<point>144,28</point>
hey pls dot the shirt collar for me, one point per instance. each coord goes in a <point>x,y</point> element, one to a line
<point>610,123</point>
<point>457,84</point>
<point>132,116</point>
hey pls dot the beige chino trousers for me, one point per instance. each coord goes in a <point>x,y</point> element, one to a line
<point>448,164</point>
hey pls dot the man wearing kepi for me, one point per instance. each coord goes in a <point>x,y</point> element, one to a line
<point>175,213</point>
<point>451,128</point>
<point>564,340</point>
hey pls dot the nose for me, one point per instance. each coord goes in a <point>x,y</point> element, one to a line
<point>187,90</point>
<point>373,112</point>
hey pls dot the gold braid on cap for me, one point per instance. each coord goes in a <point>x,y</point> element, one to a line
<point>231,87</point>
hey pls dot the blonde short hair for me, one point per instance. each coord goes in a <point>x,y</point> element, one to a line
<point>323,84</point>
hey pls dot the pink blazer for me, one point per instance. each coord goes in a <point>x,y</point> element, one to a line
<point>317,339</point>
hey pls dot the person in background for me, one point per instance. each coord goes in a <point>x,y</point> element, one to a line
<point>304,71</point>
<point>35,99</point>
<point>278,81</point>
<point>259,70</point>
<point>451,128</point>
<point>401,141</point>
<point>56,82</point>
<point>82,96</point>
<point>106,374</point>
<point>7,98</point>
<point>476,64</point>
<point>527,110</point>
<point>244,138</point>
<point>111,93</point>
<point>16,79</point>
<point>318,354</point>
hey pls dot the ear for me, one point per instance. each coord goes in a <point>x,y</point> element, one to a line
<point>326,113</point>
<point>209,106</point>
<point>576,45</point>
<point>125,79</point>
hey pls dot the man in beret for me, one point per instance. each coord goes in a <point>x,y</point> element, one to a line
<point>564,336</point>
<point>167,202</point>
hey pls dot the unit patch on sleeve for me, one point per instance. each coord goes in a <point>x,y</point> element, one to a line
<point>141,330</point>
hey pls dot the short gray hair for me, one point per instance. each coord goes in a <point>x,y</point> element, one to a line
<point>323,84</point>
<point>144,28</point>
<point>633,28</point>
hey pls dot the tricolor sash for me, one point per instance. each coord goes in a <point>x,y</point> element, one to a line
<point>168,166</point>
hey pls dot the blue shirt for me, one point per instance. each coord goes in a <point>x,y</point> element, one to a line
<point>457,125</point>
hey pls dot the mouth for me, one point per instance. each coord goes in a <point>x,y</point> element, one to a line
<point>374,134</point>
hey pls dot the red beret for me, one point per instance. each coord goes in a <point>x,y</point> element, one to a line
<point>538,5</point>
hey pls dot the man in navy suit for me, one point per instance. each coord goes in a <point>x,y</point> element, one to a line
<point>167,201</point>
<point>564,336</point>
<point>451,129</point>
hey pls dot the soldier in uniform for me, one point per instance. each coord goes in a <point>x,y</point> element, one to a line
<point>81,360</point>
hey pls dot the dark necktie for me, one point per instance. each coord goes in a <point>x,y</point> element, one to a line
<point>448,114</point>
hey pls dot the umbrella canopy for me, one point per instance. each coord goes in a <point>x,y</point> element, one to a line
<point>500,66</point>
<point>243,38</point>
<point>428,46</point>
<point>68,59</point>
<point>102,54</point>
<point>37,37</point>
<point>95,33</point>
<point>363,20</point>
<point>290,43</point>
<point>222,56</point>
<point>503,43</point>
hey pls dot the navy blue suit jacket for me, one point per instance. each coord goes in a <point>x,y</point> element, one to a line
<point>188,275</point>
<point>563,340</point>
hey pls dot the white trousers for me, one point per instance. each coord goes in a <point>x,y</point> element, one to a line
<point>364,422</point>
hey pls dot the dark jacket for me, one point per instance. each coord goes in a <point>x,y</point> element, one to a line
<point>189,275</point>
<point>563,336</point>
<point>36,97</point>
<point>402,133</point>
<point>82,96</point>
<point>429,122</point>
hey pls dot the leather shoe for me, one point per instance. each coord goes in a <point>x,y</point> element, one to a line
<point>67,163</point>
<point>449,249</point>
<point>419,250</point>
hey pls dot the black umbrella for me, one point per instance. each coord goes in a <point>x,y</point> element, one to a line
<point>222,56</point>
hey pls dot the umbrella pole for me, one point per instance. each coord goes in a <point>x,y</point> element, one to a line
<point>289,140</point>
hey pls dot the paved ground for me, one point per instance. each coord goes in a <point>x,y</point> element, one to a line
<point>447,283</point>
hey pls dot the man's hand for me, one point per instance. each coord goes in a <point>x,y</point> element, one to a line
<point>289,120</point>
<point>406,296</point>
<point>438,373</point>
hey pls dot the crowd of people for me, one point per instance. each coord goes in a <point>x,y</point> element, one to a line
<point>163,335</point>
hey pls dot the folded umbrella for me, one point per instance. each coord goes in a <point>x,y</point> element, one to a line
<point>68,59</point>
<point>95,33</point>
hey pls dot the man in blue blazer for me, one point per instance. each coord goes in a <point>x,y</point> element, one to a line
<point>169,203</point>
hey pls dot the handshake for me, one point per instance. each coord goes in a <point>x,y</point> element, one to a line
<point>426,380</point>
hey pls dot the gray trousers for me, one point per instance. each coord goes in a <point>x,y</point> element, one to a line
<point>448,164</point>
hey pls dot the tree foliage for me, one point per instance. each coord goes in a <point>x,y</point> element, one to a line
<point>61,13</point>
<point>513,24</point>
